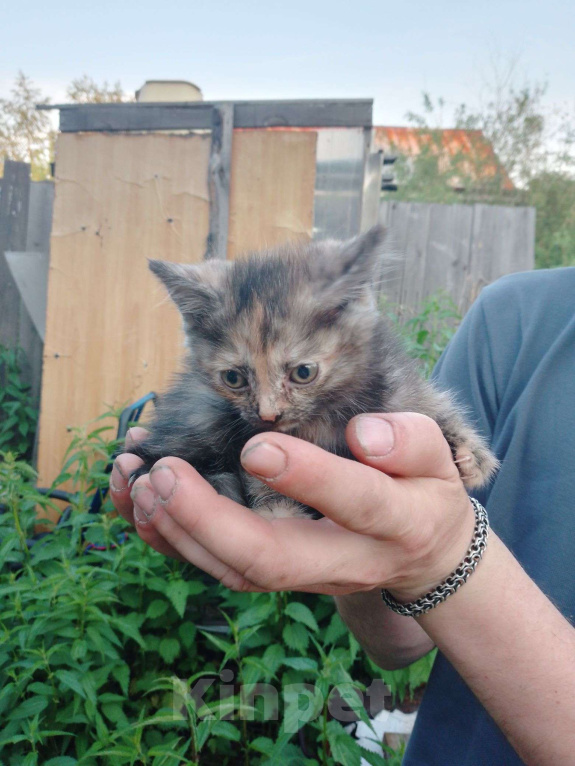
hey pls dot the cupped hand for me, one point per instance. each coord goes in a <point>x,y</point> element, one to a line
<point>398,518</point>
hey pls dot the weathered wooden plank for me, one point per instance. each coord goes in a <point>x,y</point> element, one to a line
<point>272,188</point>
<point>384,213</point>
<point>447,250</point>
<point>32,344</point>
<point>417,234</point>
<point>219,180</point>
<point>480,251</point>
<point>455,248</point>
<point>524,258</point>
<point>40,216</point>
<point>111,333</point>
<point>13,224</point>
<point>390,275</point>
<point>14,205</point>
<point>16,326</point>
<point>516,241</point>
<point>196,116</point>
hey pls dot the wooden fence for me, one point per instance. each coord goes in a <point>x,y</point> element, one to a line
<point>25,222</point>
<point>454,248</point>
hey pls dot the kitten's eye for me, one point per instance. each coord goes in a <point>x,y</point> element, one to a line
<point>304,373</point>
<point>234,379</point>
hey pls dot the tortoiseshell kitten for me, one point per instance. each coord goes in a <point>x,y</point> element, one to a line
<point>289,340</point>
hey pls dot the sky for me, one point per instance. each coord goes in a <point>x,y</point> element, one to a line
<point>390,52</point>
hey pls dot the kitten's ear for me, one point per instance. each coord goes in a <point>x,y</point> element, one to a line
<point>194,288</point>
<point>348,272</point>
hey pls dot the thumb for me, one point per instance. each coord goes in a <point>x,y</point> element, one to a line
<point>353,495</point>
<point>401,444</point>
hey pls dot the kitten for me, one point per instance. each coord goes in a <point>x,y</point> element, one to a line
<point>291,341</point>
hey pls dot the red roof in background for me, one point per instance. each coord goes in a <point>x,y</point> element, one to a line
<point>454,143</point>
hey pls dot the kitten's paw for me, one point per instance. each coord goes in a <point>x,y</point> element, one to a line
<point>283,509</point>
<point>270,504</point>
<point>476,463</point>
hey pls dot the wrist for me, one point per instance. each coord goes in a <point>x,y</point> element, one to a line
<point>357,600</point>
<point>444,556</point>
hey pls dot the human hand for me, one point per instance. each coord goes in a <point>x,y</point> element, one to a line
<point>399,518</point>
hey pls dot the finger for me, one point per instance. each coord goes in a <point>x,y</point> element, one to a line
<point>229,532</point>
<point>155,540</point>
<point>134,435</point>
<point>401,444</point>
<point>124,466</point>
<point>349,493</point>
<point>124,504</point>
<point>157,528</point>
<point>299,554</point>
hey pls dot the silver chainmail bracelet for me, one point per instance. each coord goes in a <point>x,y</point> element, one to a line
<point>456,579</point>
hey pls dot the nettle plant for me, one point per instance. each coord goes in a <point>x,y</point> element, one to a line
<point>426,332</point>
<point>17,415</point>
<point>113,654</point>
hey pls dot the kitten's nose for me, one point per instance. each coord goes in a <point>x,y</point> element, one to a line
<point>269,417</point>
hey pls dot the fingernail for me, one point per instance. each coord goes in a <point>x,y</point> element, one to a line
<point>144,504</point>
<point>129,442</point>
<point>375,436</point>
<point>118,481</point>
<point>264,459</point>
<point>163,481</point>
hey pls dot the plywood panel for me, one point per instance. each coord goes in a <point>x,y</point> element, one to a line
<point>272,188</point>
<point>111,334</point>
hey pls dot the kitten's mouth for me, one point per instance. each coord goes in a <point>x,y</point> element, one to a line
<point>283,426</point>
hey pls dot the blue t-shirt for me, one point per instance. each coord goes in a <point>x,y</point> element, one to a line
<point>512,364</point>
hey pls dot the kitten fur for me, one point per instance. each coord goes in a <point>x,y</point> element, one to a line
<point>263,317</point>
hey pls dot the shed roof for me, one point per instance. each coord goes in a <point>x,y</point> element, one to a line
<point>451,143</point>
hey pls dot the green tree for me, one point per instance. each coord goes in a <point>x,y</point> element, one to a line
<point>514,122</point>
<point>534,147</point>
<point>26,133</point>
<point>85,90</point>
<point>553,195</point>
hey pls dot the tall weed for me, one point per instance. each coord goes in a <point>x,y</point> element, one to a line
<point>17,415</point>
<point>113,654</point>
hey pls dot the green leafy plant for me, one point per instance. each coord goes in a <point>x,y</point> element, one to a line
<point>427,332</point>
<point>113,654</point>
<point>103,641</point>
<point>17,415</point>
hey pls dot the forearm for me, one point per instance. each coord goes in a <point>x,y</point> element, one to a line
<point>390,640</point>
<point>515,651</point>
